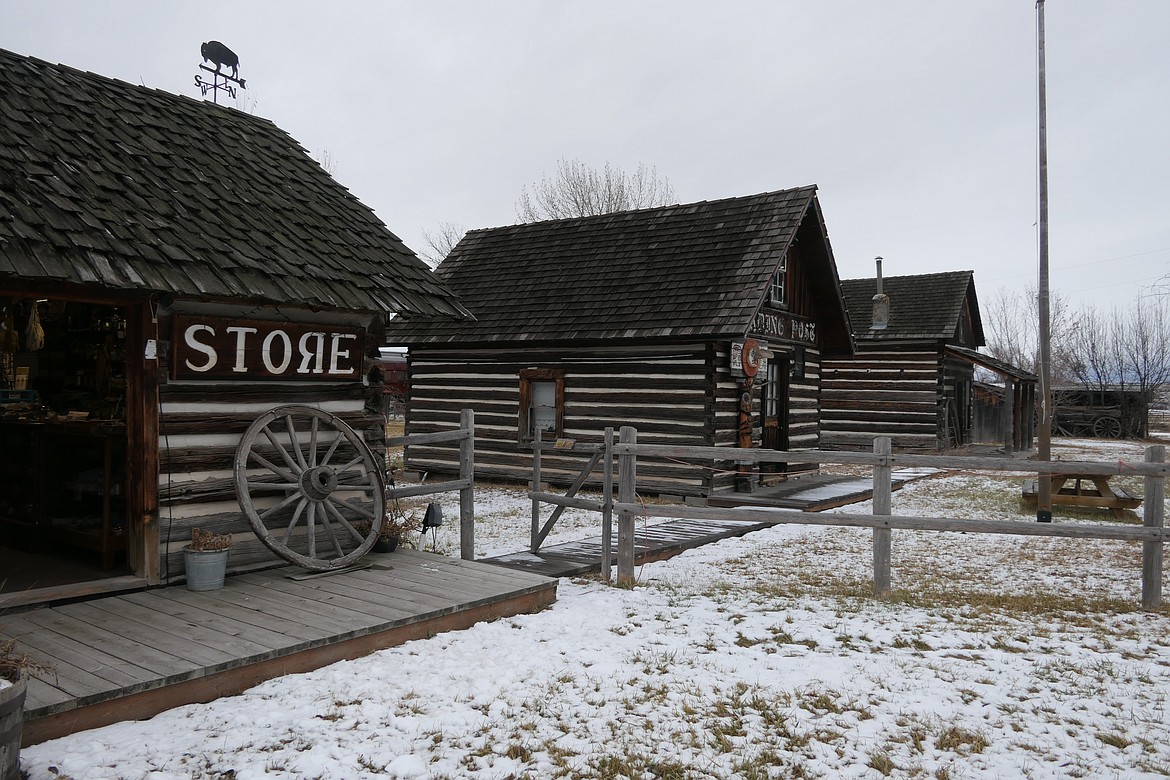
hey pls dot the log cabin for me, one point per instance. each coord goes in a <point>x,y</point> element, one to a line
<point>170,270</point>
<point>700,324</point>
<point>912,375</point>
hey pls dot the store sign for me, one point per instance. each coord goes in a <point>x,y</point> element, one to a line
<point>224,348</point>
<point>785,327</point>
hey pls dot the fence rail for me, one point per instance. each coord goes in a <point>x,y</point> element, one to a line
<point>1152,534</point>
<point>465,435</point>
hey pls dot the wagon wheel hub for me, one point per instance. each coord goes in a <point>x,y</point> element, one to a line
<point>318,483</point>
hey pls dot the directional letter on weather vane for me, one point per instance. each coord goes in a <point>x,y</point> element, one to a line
<point>221,56</point>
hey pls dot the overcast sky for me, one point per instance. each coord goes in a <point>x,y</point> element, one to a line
<point>916,118</point>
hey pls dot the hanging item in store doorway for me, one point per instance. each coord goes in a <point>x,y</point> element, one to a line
<point>34,334</point>
<point>9,337</point>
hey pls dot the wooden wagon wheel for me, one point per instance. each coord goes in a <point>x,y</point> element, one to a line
<point>309,472</point>
<point>1107,427</point>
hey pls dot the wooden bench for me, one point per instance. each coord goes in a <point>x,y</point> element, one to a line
<point>1085,490</point>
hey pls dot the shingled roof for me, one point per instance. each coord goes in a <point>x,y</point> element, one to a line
<point>683,271</point>
<point>108,185</point>
<point>922,307</point>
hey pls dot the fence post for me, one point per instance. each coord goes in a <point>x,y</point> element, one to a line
<point>881,506</point>
<point>1153,515</point>
<point>627,491</point>
<point>607,506</point>
<point>467,494</point>
<point>533,544</point>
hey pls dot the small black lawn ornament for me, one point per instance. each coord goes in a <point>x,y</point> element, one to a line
<point>222,56</point>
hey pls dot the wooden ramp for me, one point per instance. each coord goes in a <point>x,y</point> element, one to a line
<point>652,543</point>
<point>815,492</point>
<point>131,656</point>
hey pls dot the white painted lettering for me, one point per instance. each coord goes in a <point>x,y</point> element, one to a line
<point>336,353</point>
<point>189,335</point>
<point>266,352</point>
<point>240,366</point>
<point>307,353</point>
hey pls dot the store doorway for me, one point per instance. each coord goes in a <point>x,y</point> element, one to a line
<point>774,415</point>
<point>63,447</point>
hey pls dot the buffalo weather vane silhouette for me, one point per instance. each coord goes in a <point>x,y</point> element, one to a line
<point>223,57</point>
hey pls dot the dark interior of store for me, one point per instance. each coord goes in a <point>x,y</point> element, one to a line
<point>62,443</point>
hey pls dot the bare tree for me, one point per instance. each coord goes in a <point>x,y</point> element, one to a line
<point>579,190</point>
<point>1144,351</point>
<point>440,242</point>
<point>1091,351</point>
<point>1011,321</point>
<point>327,161</point>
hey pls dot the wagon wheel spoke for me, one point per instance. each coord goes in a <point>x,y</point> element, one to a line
<point>311,526</point>
<point>288,500</point>
<point>333,510</point>
<point>294,441</point>
<point>283,452</point>
<point>313,442</point>
<point>326,508</point>
<point>329,453</point>
<point>330,530</point>
<point>296,516</point>
<point>266,463</point>
<point>360,510</point>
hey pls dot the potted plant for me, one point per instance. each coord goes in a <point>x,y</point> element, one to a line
<point>395,526</point>
<point>14,670</point>
<point>205,559</point>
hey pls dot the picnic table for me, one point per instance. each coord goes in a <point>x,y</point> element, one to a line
<point>1085,490</point>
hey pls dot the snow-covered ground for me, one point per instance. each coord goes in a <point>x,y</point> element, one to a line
<point>765,656</point>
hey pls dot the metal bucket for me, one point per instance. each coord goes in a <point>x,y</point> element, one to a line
<point>11,721</point>
<point>205,568</point>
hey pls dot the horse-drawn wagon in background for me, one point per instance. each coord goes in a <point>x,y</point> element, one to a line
<point>1111,413</point>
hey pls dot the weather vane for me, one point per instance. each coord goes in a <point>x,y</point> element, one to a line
<point>221,56</point>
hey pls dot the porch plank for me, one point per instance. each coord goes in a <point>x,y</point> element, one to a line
<point>158,631</point>
<point>133,655</point>
<point>333,620</point>
<point>273,629</point>
<point>156,662</point>
<point>85,669</point>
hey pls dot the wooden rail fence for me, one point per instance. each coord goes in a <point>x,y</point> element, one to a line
<point>465,484</point>
<point>1152,533</point>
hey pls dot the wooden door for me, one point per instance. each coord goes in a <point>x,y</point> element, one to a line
<point>774,412</point>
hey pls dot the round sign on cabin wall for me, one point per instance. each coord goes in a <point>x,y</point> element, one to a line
<point>751,357</point>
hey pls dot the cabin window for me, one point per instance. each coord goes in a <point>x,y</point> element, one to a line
<point>778,289</point>
<point>542,403</point>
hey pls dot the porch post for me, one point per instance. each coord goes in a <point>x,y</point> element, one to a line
<point>467,494</point>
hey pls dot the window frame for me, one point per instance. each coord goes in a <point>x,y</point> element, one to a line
<point>778,284</point>
<point>524,418</point>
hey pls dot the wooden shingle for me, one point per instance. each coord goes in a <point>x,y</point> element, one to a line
<point>698,269</point>
<point>198,199</point>
<point>922,306</point>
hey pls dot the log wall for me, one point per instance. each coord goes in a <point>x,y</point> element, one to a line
<point>883,392</point>
<point>674,394</point>
<point>200,424</point>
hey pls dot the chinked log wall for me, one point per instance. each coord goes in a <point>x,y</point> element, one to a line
<point>200,425</point>
<point>680,394</point>
<point>882,393</point>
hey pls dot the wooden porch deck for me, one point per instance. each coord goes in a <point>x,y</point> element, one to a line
<point>133,655</point>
